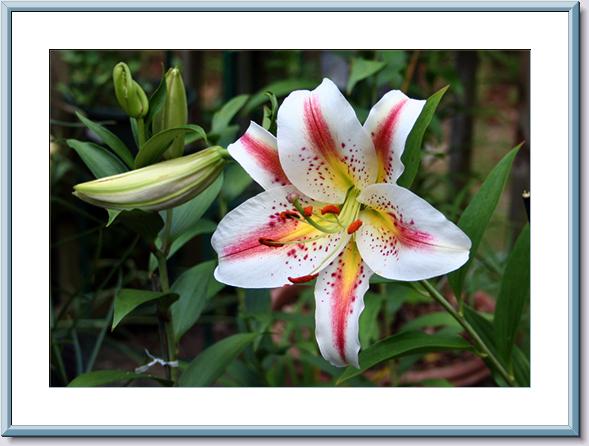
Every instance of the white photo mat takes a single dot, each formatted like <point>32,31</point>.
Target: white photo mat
<point>546,403</point>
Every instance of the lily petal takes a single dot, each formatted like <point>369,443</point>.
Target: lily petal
<point>405,238</point>
<point>256,151</point>
<point>339,300</point>
<point>323,147</point>
<point>257,245</point>
<point>389,123</point>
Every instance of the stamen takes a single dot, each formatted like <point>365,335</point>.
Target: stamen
<point>330,209</point>
<point>308,219</point>
<point>303,279</point>
<point>289,214</point>
<point>354,226</point>
<point>308,211</point>
<point>269,242</point>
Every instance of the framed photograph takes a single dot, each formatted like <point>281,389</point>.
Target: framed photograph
<point>290,219</point>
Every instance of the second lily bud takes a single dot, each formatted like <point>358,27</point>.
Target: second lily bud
<point>174,112</point>
<point>128,92</point>
<point>160,186</point>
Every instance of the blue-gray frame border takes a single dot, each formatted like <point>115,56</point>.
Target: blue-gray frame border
<point>573,429</point>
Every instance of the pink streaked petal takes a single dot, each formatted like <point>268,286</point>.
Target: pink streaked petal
<point>257,153</point>
<point>404,238</point>
<point>339,300</point>
<point>246,262</point>
<point>323,147</point>
<point>389,123</point>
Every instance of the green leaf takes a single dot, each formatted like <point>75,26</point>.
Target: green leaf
<point>513,295</point>
<point>437,319</point>
<point>368,331</point>
<point>411,156</point>
<point>361,69</point>
<point>154,147</point>
<point>401,344</point>
<point>237,180</point>
<point>475,218</point>
<point>103,377</point>
<point>223,117</point>
<point>112,216</point>
<point>439,382</point>
<point>200,227</point>
<point>147,224</point>
<point>484,328</point>
<point>185,217</point>
<point>156,101</point>
<point>127,300</point>
<point>99,160</point>
<point>280,89</point>
<point>269,119</point>
<point>211,363</point>
<point>195,287</point>
<point>108,138</point>
<point>521,367</point>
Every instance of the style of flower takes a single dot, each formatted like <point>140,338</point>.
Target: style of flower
<point>332,210</point>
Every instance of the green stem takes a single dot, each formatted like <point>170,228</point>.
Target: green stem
<point>435,294</point>
<point>164,316</point>
<point>140,132</point>
<point>59,363</point>
<point>98,344</point>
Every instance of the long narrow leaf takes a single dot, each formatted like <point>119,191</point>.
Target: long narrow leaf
<point>108,138</point>
<point>411,157</point>
<point>99,160</point>
<point>476,216</point>
<point>103,377</point>
<point>513,295</point>
<point>127,300</point>
<point>403,344</point>
<point>210,364</point>
<point>223,117</point>
<point>155,146</point>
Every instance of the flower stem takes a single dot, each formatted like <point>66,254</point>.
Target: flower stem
<point>140,132</point>
<point>435,294</point>
<point>164,316</point>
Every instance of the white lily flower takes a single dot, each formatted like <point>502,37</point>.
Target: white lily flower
<point>331,209</point>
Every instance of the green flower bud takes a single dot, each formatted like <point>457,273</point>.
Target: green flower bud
<point>129,93</point>
<point>174,112</point>
<point>159,186</point>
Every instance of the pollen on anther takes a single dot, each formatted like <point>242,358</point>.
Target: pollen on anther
<point>354,226</point>
<point>303,279</point>
<point>330,209</point>
<point>308,211</point>
<point>269,242</point>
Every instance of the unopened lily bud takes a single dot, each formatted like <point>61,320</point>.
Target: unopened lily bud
<point>129,93</point>
<point>174,112</point>
<point>159,186</point>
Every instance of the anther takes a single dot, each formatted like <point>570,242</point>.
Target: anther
<point>303,279</point>
<point>308,211</point>
<point>269,242</point>
<point>330,209</point>
<point>289,214</point>
<point>354,226</point>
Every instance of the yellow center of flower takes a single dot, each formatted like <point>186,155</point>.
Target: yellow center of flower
<point>332,219</point>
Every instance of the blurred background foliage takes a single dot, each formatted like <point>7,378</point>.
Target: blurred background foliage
<point>484,113</point>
